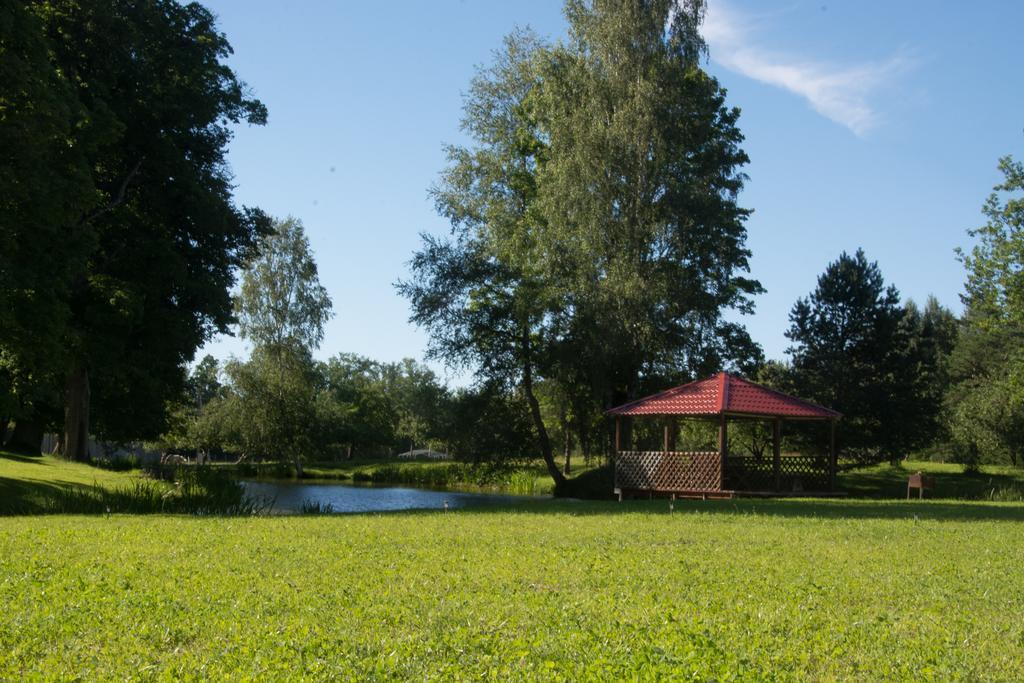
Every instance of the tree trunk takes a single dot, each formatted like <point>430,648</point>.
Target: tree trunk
<point>566,447</point>
<point>538,421</point>
<point>76,414</point>
<point>5,422</point>
<point>27,437</point>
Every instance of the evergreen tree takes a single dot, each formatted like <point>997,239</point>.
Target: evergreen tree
<point>850,352</point>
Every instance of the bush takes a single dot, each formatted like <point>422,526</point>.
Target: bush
<point>118,464</point>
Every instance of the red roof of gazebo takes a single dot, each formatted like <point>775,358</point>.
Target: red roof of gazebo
<point>725,394</point>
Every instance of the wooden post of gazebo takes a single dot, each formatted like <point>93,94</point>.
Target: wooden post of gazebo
<point>832,455</point>
<point>723,448</point>
<point>777,452</point>
<point>618,434</point>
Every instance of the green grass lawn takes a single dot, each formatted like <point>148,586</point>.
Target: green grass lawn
<point>750,590</point>
<point>744,589</point>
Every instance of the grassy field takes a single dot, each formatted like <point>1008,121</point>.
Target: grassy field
<point>748,590</point>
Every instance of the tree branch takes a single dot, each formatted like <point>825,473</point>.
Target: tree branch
<point>118,199</point>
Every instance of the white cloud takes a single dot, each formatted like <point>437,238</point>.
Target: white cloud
<point>840,93</point>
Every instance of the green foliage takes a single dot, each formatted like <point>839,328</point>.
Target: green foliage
<point>419,403</point>
<point>271,407</point>
<point>857,350</point>
<point>118,207</point>
<point>275,403</point>
<point>282,303</point>
<point>985,402</point>
<point>356,384</point>
<point>522,483</point>
<point>995,278</point>
<point>193,425</point>
<point>730,590</point>
<point>488,424</point>
<point>640,186</point>
<point>596,237</point>
<point>44,187</point>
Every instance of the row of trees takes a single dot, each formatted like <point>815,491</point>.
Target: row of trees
<point>351,407</point>
<point>282,404</point>
<point>905,378</point>
<point>909,379</point>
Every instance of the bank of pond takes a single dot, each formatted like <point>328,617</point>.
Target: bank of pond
<point>50,485</point>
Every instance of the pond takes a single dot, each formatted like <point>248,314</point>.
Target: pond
<point>291,496</point>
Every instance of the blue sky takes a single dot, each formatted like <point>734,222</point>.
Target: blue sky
<point>868,124</point>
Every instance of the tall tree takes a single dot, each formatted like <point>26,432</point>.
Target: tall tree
<point>282,308</point>
<point>932,335</point>
<point>985,402</point>
<point>850,352</point>
<point>44,186</point>
<point>479,294</point>
<point>995,265</point>
<point>640,192</point>
<point>163,233</point>
<point>596,236</point>
<point>282,302</point>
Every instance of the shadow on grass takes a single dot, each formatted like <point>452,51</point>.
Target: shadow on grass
<point>143,496</point>
<point>17,457</point>
<point>889,482</point>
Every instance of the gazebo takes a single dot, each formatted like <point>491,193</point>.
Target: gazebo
<point>722,398</point>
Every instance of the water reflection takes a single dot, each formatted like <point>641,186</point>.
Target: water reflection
<point>291,496</point>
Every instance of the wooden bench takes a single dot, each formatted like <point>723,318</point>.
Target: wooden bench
<point>919,481</point>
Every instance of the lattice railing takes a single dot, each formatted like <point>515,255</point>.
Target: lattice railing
<point>668,471</point>
<point>796,473</point>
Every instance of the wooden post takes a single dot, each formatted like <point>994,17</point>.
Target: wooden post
<point>618,434</point>
<point>777,453</point>
<point>723,450</point>
<point>664,442</point>
<point>832,455</point>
